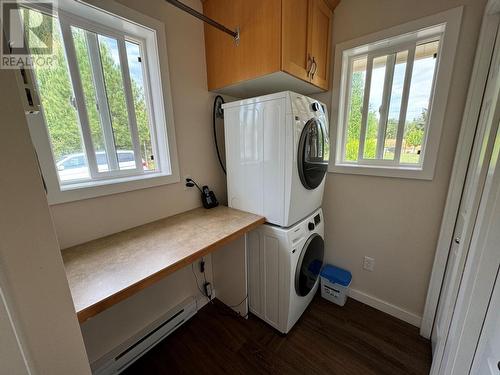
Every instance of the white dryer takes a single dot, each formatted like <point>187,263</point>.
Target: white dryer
<point>283,270</point>
<point>277,151</point>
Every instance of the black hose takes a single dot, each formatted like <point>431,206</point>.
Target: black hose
<point>219,100</point>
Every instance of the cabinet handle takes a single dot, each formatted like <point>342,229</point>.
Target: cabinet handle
<point>309,64</point>
<point>313,72</point>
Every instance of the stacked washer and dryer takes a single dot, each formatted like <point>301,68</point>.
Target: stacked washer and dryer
<point>277,152</point>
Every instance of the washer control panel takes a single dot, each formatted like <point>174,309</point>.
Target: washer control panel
<point>317,219</point>
<point>311,225</point>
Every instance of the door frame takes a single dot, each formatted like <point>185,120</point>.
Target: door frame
<point>478,280</point>
<point>477,85</point>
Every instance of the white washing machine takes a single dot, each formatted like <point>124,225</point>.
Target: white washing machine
<point>277,152</point>
<point>283,270</point>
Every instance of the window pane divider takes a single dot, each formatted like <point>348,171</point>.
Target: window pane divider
<point>148,94</point>
<point>69,47</point>
<point>384,108</point>
<point>102,102</point>
<point>431,100</point>
<point>132,119</point>
<point>366,98</point>
<point>404,103</point>
<point>347,107</point>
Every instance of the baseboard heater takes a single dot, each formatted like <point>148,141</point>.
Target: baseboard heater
<point>127,353</point>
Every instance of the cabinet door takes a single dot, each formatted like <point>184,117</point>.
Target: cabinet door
<point>258,52</point>
<point>319,40</point>
<point>295,26</point>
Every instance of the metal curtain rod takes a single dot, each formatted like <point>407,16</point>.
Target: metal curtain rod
<point>201,16</point>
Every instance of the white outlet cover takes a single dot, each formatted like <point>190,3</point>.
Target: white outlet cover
<point>368,263</point>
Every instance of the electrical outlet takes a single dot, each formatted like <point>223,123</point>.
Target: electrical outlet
<point>184,182</point>
<point>368,264</point>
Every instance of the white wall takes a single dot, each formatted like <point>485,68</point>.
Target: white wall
<point>33,284</point>
<point>396,221</point>
<point>85,220</point>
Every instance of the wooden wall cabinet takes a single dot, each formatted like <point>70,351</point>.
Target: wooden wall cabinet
<point>284,45</point>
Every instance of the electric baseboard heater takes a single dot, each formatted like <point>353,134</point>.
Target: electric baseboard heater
<point>131,350</point>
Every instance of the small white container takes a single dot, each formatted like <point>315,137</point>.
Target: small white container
<point>335,284</point>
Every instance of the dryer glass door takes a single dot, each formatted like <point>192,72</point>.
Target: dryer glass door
<point>309,265</point>
<point>313,153</point>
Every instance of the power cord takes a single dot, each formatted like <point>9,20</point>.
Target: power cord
<point>235,306</point>
<point>202,266</point>
<point>190,183</point>
<point>198,284</point>
<point>232,313</point>
<point>196,278</point>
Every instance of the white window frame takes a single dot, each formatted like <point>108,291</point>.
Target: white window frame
<point>107,19</point>
<point>444,26</point>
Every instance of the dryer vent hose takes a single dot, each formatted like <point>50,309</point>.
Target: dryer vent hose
<point>218,113</point>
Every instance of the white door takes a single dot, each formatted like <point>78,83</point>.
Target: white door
<point>12,356</point>
<point>464,227</point>
<point>474,302</point>
<point>465,312</point>
<point>487,358</point>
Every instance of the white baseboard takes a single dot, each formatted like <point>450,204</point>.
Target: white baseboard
<point>386,307</point>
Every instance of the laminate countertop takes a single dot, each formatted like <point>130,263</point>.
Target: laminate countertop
<point>105,271</point>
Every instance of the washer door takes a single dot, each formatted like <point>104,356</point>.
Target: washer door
<point>309,264</point>
<point>313,153</point>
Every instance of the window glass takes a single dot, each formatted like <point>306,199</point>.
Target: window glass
<point>101,159</point>
<point>374,106</point>
<point>81,40</point>
<point>115,93</point>
<point>418,103</point>
<point>125,157</point>
<point>60,108</point>
<point>395,105</point>
<point>135,64</point>
<point>74,162</point>
<point>356,95</point>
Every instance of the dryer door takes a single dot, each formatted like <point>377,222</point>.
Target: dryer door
<point>309,264</point>
<point>313,153</point>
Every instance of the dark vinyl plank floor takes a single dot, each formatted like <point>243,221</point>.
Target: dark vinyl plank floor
<point>328,339</point>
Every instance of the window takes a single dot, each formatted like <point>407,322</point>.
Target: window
<point>392,96</point>
<point>103,103</point>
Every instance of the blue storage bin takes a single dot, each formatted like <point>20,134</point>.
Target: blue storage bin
<point>335,284</point>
